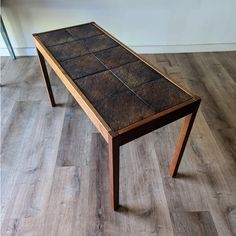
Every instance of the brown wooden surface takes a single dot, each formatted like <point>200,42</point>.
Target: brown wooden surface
<point>54,163</point>
<point>155,122</point>
<point>183,139</point>
<point>114,169</point>
<point>46,78</point>
<point>122,88</point>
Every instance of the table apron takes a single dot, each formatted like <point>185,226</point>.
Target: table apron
<point>157,123</point>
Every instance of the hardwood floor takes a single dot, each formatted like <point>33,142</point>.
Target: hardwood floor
<point>54,164</point>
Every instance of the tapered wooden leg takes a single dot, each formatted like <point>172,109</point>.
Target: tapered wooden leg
<point>114,172</point>
<point>183,138</point>
<point>46,78</point>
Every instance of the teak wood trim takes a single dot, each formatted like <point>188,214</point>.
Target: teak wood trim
<point>114,169</point>
<point>183,139</point>
<point>64,28</point>
<point>94,116</point>
<point>153,117</point>
<point>46,78</point>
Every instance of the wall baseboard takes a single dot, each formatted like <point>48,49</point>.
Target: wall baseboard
<point>185,48</point>
<point>19,52</point>
<point>147,49</point>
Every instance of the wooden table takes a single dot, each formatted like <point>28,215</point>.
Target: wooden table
<point>123,95</point>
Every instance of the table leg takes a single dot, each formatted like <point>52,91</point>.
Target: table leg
<point>46,78</point>
<point>114,172</point>
<point>183,138</point>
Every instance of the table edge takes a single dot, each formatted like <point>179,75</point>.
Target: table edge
<point>156,121</point>
<point>156,116</point>
<point>63,28</point>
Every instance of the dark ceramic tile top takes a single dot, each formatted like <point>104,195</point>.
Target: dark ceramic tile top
<point>99,43</point>
<point>68,50</point>
<point>84,31</point>
<point>55,37</point>
<point>161,94</point>
<point>115,57</point>
<point>121,87</point>
<point>100,85</point>
<point>82,66</point>
<point>136,73</point>
<point>123,109</point>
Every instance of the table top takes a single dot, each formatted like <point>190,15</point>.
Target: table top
<point>120,85</point>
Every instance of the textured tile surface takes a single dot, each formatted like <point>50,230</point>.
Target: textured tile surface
<point>68,50</point>
<point>82,66</point>
<point>161,94</point>
<point>122,109</point>
<point>115,57</point>
<point>100,42</point>
<point>99,86</point>
<point>121,87</point>
<point>136,73</point>
<point>56,37</point>
<point>84,31</point>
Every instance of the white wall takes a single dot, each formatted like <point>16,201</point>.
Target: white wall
<point>147,26</point>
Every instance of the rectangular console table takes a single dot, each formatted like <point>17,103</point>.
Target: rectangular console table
<point>124,96</point>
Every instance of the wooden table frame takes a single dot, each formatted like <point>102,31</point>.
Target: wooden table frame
<point>187,109</point>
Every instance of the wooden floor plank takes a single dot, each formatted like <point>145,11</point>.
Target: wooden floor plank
<point>54,164</point>
<point>213,145</point>
<point>193,223</point>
